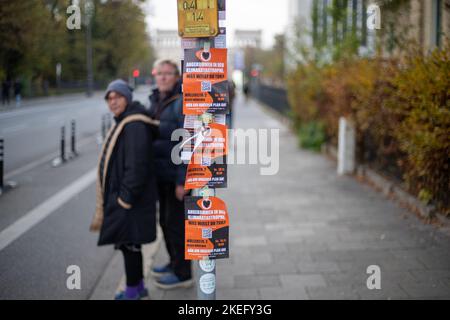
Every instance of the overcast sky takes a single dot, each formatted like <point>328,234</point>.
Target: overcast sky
<point>270,16</point>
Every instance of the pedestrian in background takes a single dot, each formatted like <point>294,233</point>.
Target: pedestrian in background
<point>6,84</point>
<point>166,105</point>
<point>18,92</point>
<point>246,90</point>
<point>126,186</point>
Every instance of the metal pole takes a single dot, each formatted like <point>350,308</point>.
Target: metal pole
<point>63,144</point>
<point>1,164</point>
<point>206,268</point>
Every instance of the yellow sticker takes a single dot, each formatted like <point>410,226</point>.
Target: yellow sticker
<point>198,18</point>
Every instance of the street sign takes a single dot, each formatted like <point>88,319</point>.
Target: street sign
<point>198,18</point>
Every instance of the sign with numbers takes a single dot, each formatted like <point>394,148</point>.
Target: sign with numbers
<point>198,18</point>
<point>206,225</point>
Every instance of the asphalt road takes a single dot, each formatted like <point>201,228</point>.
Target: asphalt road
<point>30,133</point>
<point>34,265</point>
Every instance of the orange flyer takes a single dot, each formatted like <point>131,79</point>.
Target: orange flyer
<point>205,84</point>
<point>207,228</point>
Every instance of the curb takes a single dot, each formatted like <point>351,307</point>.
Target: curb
<point>392,190</point>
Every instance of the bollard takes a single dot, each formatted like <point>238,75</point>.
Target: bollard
<point>108,124</point>
<point>63,144</point>
<point>103,127</point>
<point>72,138</point>
<point>4,187</point>
<point>346,147</point>
<point>1,164</point>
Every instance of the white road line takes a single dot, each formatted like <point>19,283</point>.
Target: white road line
<point>39,213</point>
<point>13,129</point>
<point>46,158</point>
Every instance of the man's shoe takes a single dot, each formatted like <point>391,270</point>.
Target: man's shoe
<point>141,295</point>
<point>171,281</point>
<point>160,271</point>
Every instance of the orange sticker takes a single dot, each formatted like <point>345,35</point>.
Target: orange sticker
<point>198,176</point>
<point>206,228</point>
<point>213,142</point>
<point>205,85</point>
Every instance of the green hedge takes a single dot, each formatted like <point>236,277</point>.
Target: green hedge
<point>401,111</point>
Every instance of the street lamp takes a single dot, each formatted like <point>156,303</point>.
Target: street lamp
<point>89,12</point>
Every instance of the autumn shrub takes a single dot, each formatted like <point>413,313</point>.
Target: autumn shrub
<point>401,112</point>
<point>421,101</point>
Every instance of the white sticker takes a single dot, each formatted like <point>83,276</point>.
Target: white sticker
<point>220,41</point>
<point>207,283</point>
<point>207,265</point>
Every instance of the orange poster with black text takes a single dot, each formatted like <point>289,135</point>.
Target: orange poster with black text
<point>205,84</point>
<point>208,166</point>
<point>206,228</point>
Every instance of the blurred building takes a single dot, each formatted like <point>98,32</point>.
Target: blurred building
<point>167,45</point>
<point>424,22</point>
<point>298,30</point>
<point>247,38</point>
<point>335,21</point>
<point>243,41</point>
<point>328,23</point>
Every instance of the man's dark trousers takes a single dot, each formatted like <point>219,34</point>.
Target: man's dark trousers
<point>171,219</point>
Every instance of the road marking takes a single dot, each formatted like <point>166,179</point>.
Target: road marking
<point>42,106</point>
<point>39,213</point>
<point>47,158</point>
<point>14,129</point>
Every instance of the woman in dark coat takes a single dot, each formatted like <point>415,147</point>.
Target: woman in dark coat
<point>126,186</point>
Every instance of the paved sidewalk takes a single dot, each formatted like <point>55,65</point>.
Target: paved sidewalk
<point>306,233</point>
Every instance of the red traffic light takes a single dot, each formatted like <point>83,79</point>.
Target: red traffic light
<point>254,73</point>
<point>135,73</point>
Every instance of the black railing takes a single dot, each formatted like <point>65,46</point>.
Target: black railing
<point>275,98</point>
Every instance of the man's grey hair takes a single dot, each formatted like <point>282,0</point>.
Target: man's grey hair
<point>172,63</point>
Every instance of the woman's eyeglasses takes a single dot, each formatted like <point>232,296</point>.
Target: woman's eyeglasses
<point>165,74</point>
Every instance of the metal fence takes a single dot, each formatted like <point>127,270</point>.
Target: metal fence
<point>275,98</point>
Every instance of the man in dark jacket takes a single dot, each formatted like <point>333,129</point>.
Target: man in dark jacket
<point>167,106</point>
<point>126,185</point>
